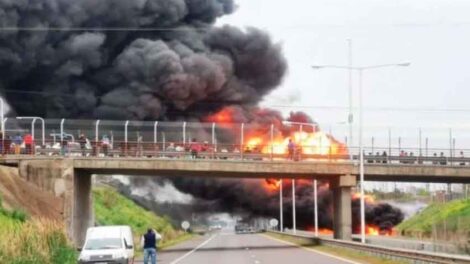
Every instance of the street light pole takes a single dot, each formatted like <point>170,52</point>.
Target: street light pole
<point>361,148</point>
<point>350,116</point>
<point>361,161</point>
<point>281,216</point>
<point>294,227</point>
<point>293,180</point>
<point>315,194</point>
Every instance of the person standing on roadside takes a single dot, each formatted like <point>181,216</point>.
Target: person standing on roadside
<point>149,243</point>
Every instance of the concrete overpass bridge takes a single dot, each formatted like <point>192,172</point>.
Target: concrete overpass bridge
<point>70,177</point>
<point>57,161</point>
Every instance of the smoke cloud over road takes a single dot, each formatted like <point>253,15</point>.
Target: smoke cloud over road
<point>119,59</point>
<point>153,60</point>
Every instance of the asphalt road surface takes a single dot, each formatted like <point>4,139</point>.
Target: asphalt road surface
<point>230,248</point>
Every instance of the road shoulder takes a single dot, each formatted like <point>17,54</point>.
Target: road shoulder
<point>346,255</point>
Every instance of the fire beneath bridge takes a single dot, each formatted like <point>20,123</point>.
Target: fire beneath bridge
<point>381,218</point>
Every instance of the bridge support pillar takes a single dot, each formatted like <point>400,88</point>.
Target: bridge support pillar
<point>82,206</point>
<point>342,215</point>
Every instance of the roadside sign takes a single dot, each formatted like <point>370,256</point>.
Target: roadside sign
<point>273,222</point>
<point>185,225</point>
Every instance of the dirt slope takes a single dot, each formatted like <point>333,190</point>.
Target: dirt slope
<point>17,193</point>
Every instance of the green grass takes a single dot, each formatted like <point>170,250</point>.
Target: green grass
<point>112,208</point>
<point>454,215</point>
<point>33,241</point>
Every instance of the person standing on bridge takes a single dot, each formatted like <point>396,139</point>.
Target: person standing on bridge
<point>290,150</point>
<point>82,140</point>
<point>28,142</point>
<point>18,140</point>
<point>149,244</point>
<point>195,148</point>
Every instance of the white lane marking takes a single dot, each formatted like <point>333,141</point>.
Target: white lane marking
<point>313,250</point>
<point>194,250</point>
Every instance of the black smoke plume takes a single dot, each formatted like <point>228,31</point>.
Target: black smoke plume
<point>137,60</point>
<point>260,198</point>
<point>150,60</point>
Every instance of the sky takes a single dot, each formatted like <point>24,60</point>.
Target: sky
<point>433,35</point>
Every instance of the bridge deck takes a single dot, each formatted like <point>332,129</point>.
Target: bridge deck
<point>260,168</point>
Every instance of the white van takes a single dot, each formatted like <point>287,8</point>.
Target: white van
<point>108,244</point>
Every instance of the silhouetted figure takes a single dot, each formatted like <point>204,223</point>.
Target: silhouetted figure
<point>28,142</point>
<point>443,159</point>
<point>195,148</point>
<point>378,159</point>
<point>105,145</point>
<point>462,157</point>
<point>18,140</point>
<point>401,156</point>
<point>434,158</point>
<point>82,141</point>
<point>290,150</point>
<point>7,143</point>
<point>384,157</point>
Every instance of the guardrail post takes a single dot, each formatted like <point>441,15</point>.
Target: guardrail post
<point>97,138</point>
<point>389,145</point>
<point>426,142</point>
<point>155,137</point>
<point>272,139</point>
<point>33,136</point>
<point>164,141</point>
<point>399,145</point>
<point>450,146</point>
<point>184,135</point>
<point>373,147</point>
<point>214,147</point>
<point>242,135</point>
<point>61,135</point>
<point>125,137</point>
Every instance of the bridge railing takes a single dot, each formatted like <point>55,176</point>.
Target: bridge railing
<point>205,150</point>
<point>218,140</point>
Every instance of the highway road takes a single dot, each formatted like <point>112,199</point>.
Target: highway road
<point>230,248</point>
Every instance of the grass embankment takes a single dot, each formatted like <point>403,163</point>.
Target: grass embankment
<point>451,217</point>
<point>112,208</point>
<point>352,255</point>
<point>33,241</point>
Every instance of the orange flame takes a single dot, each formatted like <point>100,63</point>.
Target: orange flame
<point>367,198</point>
<point>372,230</point>
<point>325,231</point>
<point>321,231</point>
<point>223,116</point>
<point>272,184</point>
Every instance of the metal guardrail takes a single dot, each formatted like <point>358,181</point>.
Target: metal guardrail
<point>385,252</point>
